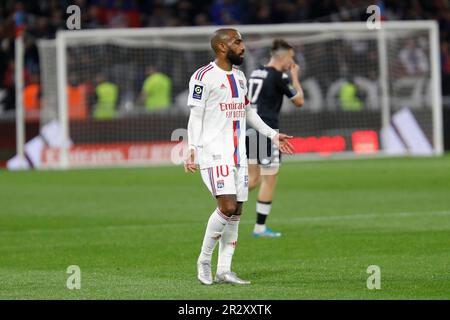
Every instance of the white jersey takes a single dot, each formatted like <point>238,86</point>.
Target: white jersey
<point>222,94</point>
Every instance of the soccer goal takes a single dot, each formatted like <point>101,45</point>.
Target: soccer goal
<point>368,92</point>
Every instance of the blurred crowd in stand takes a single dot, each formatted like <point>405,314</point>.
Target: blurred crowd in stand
<point>40,19</point>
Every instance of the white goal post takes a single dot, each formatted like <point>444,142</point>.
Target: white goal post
<point>368,92</point>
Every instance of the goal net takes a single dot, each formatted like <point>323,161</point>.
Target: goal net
<point>116,97</point>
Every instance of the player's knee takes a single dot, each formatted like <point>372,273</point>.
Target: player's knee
<point>229,208</point>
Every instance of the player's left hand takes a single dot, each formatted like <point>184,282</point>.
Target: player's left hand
<point>282,142</point>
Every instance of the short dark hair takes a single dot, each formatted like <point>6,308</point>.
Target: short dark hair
<point>280,44</point>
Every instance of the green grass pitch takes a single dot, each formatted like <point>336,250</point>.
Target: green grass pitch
<point>136,233</point>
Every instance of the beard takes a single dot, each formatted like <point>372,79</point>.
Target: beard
<point>234,58</point>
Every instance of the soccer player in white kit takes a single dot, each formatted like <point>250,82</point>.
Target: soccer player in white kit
<point>216,134</point>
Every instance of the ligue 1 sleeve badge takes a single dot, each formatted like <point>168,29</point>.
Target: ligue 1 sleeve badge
<point>198,91</point>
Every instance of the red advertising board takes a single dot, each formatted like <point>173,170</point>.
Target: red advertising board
<point>111,154</point>
<point>141,153</point>
<point>322,145</point>
<point>365,141</point>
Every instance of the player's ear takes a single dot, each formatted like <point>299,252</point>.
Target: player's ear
<point>222,47</point>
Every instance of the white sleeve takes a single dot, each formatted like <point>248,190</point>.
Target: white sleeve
<point>256,122</point>
<point>195,126</point>
<point>198,94</point>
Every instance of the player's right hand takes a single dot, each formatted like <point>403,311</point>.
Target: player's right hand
<point>295,70</point>
<point>281,140</point>
<point>189,163</point>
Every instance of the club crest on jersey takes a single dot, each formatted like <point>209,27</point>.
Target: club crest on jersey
<point>198,91</point>
<point>220,184</point>
<point>241,84</point>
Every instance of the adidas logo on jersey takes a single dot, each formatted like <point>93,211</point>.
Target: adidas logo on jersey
<point>223,86</point>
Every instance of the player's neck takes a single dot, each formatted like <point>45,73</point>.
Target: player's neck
<point>274,64</point>
<point>225,65</point>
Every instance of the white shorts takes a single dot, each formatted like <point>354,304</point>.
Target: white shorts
<point>227,180</point>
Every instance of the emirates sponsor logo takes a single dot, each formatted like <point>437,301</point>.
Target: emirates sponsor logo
<point>232,106</point>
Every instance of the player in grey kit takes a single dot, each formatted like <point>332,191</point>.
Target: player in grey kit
<point>267,86</point>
